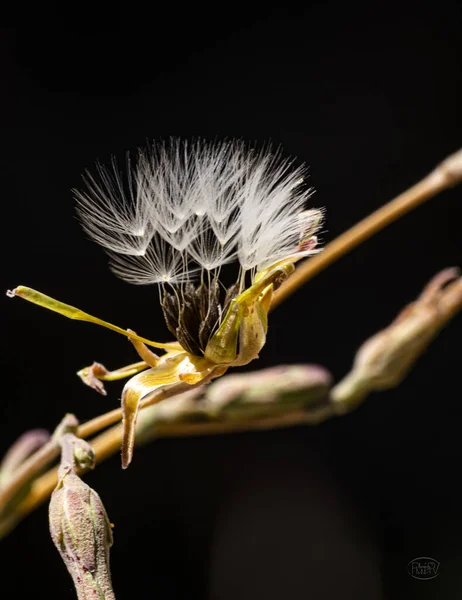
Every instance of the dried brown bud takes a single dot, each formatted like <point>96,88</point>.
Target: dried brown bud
<point>384,360</point>
<point>91,376</point>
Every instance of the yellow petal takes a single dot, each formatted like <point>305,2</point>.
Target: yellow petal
<point>176,371</point>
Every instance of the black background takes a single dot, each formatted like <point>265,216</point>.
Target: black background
<point>370,99</point>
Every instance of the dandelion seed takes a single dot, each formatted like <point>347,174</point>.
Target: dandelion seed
<point>160,263</point>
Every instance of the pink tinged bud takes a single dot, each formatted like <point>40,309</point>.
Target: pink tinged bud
<point>89,376</point>
<point>81,532</point>
<point>79,525</point>
<point>307,245</point>
<point>271,390</point>
<point>25,446</point>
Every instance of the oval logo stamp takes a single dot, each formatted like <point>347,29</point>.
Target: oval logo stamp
<point>424,568</point>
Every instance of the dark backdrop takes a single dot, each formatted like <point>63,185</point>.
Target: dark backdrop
<point>371,100</point>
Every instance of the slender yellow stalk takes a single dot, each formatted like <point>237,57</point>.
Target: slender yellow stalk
<point>71,312</point>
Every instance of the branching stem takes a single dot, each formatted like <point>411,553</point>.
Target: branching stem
<point>446,175</point>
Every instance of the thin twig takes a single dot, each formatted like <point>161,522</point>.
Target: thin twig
<point>447,174</point>
<point>29,469</point>
<point>108,443</point>
<point>35,464</point>
<point>41,459</point>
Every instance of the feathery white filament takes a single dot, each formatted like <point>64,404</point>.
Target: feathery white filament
<point>160,264</point>
<point>200,202</point>
<point>117,216</point>
<point>270,213</point>
<point>209,252</point>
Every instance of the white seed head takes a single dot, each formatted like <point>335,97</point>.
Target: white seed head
<point>205,203</point>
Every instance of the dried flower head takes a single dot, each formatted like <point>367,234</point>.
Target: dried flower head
<point>185,210</point>
<point>178,218</point>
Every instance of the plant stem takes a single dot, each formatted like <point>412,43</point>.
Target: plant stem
<point>447,174</point>
<point>108,443</point>
<point>28,470</point>
<point>36,463</point>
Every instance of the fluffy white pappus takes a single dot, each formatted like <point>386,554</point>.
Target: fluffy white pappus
<point>171,179</point>
<point>208,251</point>
<point>204,202</point>
<point>114,212</point>
<point>270,215</point>
<point>182,237</point>
<point>159,264</point>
